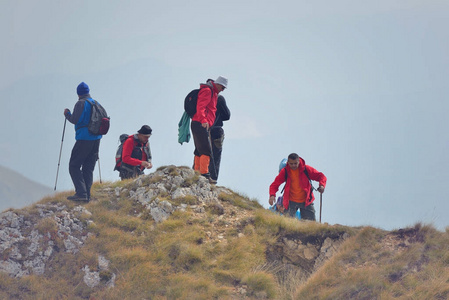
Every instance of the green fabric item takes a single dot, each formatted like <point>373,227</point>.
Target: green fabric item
<point>184,129</point>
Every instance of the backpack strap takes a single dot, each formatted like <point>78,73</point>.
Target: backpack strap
<point>282,192</point>
<point>312,188</point>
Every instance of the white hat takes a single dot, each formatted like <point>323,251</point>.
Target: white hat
<point>223,81</point>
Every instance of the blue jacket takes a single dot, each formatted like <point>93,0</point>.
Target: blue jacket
<point>81,117</point>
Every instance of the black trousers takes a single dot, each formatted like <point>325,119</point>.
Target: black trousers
<point>82,165</point>
<point>217,135</point>
<point>200,139</point>
<point>127,171</point>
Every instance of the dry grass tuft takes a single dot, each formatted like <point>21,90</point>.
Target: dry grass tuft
<point>239,201</point>
<point>47,226</point>
<point>261,285</point>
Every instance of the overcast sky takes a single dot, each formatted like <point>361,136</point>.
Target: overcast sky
<point>359,89</point>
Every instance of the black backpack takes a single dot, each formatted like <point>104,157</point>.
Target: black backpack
<point>99,119</point>
<point>191,100</point>
<point>118,154</point>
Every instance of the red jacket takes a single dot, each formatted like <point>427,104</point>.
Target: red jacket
<point>303,181</point>
<point>132,148</point>
<point>206,105</point>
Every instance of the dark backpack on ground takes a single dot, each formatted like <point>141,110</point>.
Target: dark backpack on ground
<point>118,154</point>
<point>99,120</point>
<point>191,101</point>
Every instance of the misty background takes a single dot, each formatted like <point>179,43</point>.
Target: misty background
<point>358,89</point>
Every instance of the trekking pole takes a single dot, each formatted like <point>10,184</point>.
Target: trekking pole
<point>60,151</point>
<point>212,153</point>
<point>99,169</point>
<point>321,204</point>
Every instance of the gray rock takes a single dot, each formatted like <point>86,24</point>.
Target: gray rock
<point>103,263</point>
<point>158,214</point>
<point>91,279</point>
<point>12,268</point>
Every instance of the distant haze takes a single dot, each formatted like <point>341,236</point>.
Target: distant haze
<point>17,191</point>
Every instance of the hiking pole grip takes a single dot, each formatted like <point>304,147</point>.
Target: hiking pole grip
<point>321,204</point>
<point>60,151</point>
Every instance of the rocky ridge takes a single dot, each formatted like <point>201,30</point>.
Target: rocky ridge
<point>29,239</point>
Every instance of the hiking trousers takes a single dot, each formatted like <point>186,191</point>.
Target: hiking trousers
<point>202,147</point>
<point>129,172</point>
<point>217,135</point>
<point>82,164</point>
<point>307,212</point>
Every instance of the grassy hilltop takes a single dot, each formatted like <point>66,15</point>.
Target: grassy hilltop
<point>212,243</point>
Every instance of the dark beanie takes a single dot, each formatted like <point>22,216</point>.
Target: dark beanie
<point>146,130</point>
<point>82,89</point>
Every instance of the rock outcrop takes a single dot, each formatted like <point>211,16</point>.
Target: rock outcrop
<point>30,238</point>
<point>303,254</point>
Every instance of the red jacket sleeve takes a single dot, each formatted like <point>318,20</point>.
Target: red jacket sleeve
<point>128,147</point>
<point>204,97</point>
<point>277,182</point>
<point>316,176</point>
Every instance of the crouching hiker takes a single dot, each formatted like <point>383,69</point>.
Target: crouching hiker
<point>298,187</point>
<point>135,154</point>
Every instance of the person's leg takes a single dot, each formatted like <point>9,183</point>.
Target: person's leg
<point>217,135</point>
<point>292,208</point>
<point>204,165</point>
<point>124,174</point>
<point>196,129</point>
<point>196,163</point>
<point>79,153</point>
<point>89,165</point>
<point>308,212</point>
<point>202,146</point>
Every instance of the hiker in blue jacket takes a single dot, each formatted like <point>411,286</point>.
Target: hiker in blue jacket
<point>85,151</point>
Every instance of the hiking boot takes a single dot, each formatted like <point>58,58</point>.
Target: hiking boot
<point>211,181</point>
<point>207,175</point>
<point>78,198</point>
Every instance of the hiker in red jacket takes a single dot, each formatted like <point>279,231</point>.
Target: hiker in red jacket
<point>136,154</point>
<point>298,192</point>
<point>203,119</point>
